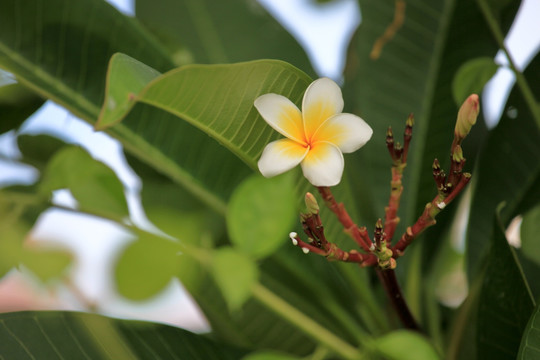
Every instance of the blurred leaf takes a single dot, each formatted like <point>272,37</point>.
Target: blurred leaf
<point>37,150</point>
<point>215,31</point>
<point>146,266</point>
<point>508,170</point>
<point>471,78</point>
<point>404,345</point>
<point>530,235</point>
<point>265,355</point>
<point>94,185</point>
<point>505,302</point>
<point>17,103</point>
<point>530,342</point>
<point>46,264</point>
<point>235,274</point>
<point>70,335</point>
<point>261,213</point>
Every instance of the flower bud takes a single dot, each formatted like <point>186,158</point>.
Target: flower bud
<point>311,204</point>
<point>467,116</point>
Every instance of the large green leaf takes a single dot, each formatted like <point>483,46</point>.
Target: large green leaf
<point>218,99</point>
<point>413,73</point>
<point>215,31</point>
<point>508,170</point>
<point>70,335</point>
<point>505,302</point>
<point>65,57</point>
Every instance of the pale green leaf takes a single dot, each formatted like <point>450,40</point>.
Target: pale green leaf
<point>95,186</point>
<point>127,77</point>
<point>530,234</point>
<point>404,345</point>
<point>235,274</point>
<point>46,264</point>
<point>471,78</point>
<point>261,214</point>
<point>146,266</point>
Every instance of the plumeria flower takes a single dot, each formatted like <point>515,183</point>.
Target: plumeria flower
<point>316,138</point>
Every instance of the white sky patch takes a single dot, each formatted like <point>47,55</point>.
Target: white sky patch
<point>323,30</point>
<point>125,6</point>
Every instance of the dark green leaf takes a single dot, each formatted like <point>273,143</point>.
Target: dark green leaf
<point>265,355</point>
<point>412,74</point>
<point>471,78</point>
<point>17,103</point>
<point>508,170</point>
<point>235,274</point>
<point>94,185</point>
<point>505,302</point>
<point>37,150</point>
<point>530,343</point>
<point>146,266</point>
<point>70,335</point>
<point>215,31</point>
<point>261,213</point>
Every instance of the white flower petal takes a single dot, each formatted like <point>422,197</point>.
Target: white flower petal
<point>347,131</point>
<point>282,115</point>
<point>323,165</point>
<point>280,156</point>
<point>322,100</point>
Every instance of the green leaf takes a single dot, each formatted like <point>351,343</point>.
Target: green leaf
<point>412,74</point>
<point>127,77</point>
<point>215,31</point>
<point>530,228</point>
<point>471,78</point>
<point>235,274</point>
<point>508,170</point>
<point>266,355</point>
<point>530,342</point>
<point>94,185</point>
<point>65,57</point>
<point>505,302</point>
<point>146,266</point>
<point>70,335</point>
<point>261,213</point>
<point>17,103</point>
<point>217,99</point>
<point>37,150</point>
<point>46,264</point>
<point>404,345</point>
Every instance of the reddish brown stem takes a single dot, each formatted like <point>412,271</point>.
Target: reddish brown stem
<point>393,291</point>
<point>361,237</point>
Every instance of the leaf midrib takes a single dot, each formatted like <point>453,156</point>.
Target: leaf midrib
<point>89,112</point>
